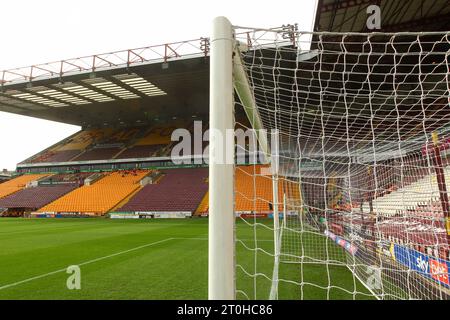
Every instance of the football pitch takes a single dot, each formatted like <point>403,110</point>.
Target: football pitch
<point>147,259</point>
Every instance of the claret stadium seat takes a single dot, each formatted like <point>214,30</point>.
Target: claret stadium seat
<point>178,190</point>
<point>18,183</point>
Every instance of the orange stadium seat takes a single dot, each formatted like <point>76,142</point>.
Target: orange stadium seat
<point>253,190</point>
<point>101,196</point>
<point>157,135</point>
<point>204,205</point>
<point>18,183</point>
<point>85,138</point>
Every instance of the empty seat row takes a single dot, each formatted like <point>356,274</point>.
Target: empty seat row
<point>35,197</point>
<point>18,183</point>
<point>100,197</point>
<point>177,190</point>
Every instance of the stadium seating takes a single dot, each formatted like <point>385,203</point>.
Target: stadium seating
<point>179,190</point>
<point>110,143</point>
<point>67,149</point>
<point>66,178</point>
<point>158,135</point>
<point>140,151</point>
<point>123,135</point>
<point>56,156</point>
<point>18,183</point>
<point>204,205</point>
<point>98,154</point>
<point>85,138</point>
<point>248,198</point>
<point>252,198</point>
<point>100,197</point>
<point>35,197</point>
<point>410,196</point>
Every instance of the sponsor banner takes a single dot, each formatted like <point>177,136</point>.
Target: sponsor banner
<point>427,266</point>
<point>174,215</point>
<point>73,215</point>
<point>150,215</point>
<point>123,216</point>
<point>238,214</point>
<point>253,215</point>
<point>280,215</point>
<point>45,215</point>
<point>352,249</point>
<point>163,214</point>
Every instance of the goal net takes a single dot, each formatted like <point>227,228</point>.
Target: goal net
<point>346,194</point>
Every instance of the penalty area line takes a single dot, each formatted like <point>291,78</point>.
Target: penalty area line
<point>84,263</point>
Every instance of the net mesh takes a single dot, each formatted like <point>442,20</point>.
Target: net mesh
<point>361,128</point>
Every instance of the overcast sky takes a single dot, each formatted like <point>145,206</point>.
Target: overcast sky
<point>47,30</point>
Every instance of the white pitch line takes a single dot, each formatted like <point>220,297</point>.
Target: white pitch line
<point>102,258</point>
<point>205,239</point>
<point>83,263</point>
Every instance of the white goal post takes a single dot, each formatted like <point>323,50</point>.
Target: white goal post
<point>221,264</point>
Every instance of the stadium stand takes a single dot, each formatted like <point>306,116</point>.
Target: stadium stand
<point>85,138</point>
<point>18,183</point>
<point>203,207</point>
<point>256,200</point>
<point>98,154</point>
<point>100,197</point>
<point>68,148</point>
<point>56,156</point>
<point>422,191</point>
<point>48,189</point>
<point>66,178</point>
<point>35,197</point>
<point>159,135</point>
<point>250,198</point>
<point>178,190</point>
<point>140,151</point>
<point>134,142</point>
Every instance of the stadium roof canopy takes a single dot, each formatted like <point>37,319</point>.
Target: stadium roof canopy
<point>170,80</point>
<point>117,88</point>
<point>404,15</point>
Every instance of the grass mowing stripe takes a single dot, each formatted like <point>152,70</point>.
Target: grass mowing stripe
<point>84,263</point>
<point>175,269</point>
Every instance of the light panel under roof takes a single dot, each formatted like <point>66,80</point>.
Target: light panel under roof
<point>63,96</point>
<point>38,99</point>
<point>88,93</point>
<point>142,85</point>
<point>114,89</point>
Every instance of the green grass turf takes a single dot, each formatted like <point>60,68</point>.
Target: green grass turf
<point>174,267</point>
